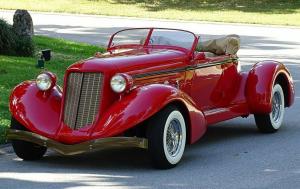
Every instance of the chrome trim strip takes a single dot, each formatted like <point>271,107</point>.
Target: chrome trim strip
<point>72,149</point>
<point>187,68</point>
<point>216,111</point>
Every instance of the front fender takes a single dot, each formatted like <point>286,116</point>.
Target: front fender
<point>143,102</point>
<point>260,82</point>
<point>36,110</point>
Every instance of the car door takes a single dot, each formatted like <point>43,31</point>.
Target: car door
<point>213,82</point>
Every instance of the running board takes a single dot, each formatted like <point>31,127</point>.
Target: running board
<point>222,114</point>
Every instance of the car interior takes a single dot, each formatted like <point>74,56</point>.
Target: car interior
<point>228,45</point>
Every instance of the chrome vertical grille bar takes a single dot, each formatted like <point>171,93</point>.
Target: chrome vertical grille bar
<point>84,92</point>
<point>74,83</point>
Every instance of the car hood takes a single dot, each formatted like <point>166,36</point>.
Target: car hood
<point>131,61</point>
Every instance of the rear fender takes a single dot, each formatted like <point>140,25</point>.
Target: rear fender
<point>142,103</point>
<point>261,79</point>
<point>36,110</point>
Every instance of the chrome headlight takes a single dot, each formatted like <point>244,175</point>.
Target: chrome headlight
<point>118,83</point>
<point>121,82</point>
<point>45,81</point>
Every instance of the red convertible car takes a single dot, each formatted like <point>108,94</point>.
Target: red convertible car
<point>152,89</point>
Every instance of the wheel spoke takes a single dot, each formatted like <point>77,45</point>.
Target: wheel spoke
<point>276,106</point>
<point>174,137</point>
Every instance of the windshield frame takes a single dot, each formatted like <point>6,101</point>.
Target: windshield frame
<point>146,43</point>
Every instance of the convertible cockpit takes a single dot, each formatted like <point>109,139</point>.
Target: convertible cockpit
<point>229,44</point>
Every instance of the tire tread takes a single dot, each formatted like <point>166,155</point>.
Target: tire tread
<point>26,150</point>
<point>154,131</point>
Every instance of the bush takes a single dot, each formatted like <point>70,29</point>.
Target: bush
<point>7,39</point>
<point>24,46</point>
<point>13,44</point>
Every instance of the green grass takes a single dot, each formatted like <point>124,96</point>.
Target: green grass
<point>280,12</point>
<point>14,70</point>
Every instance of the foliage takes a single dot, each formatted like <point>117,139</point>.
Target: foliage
<point>12,44</point>
<point>265,6</point>
<point>14,70</point>
<point>7,39</point>
<point>24,46</point>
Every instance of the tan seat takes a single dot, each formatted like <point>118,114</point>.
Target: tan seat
<point>209,54</point>
<point>229,44</point>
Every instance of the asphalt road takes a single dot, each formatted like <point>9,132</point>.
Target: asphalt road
<point>231,155</point>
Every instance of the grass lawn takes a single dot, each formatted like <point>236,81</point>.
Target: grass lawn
<point>279,12</point>
<point>14,70</point>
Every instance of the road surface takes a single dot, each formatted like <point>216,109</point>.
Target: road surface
<point>231,155</point>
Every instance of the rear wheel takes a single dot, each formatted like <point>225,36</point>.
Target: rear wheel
<point>166,133</point>
<point>26,150</point>
<point>270,123</point>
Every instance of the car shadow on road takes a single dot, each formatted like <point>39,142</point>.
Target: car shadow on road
<point>138,159</point>
<point>224,143</point>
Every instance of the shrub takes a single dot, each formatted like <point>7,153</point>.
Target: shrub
<point>7,38</point>
<point>13,44</point>
<point>24,46</point>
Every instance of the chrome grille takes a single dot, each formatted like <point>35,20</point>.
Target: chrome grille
<point>82,99</point>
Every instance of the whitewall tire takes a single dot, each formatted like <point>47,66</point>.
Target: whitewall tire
<point>269,123</point>
<point>166,135</point>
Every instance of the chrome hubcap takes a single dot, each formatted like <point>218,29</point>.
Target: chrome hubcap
<point>174,137</point>
<point>276,107</point>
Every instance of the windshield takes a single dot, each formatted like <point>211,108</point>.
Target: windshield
<point>172,38</point>
<point>156,36</point>
<point>129,37</point>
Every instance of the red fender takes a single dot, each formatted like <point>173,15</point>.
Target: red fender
<point>143,102</point>
<point>38,111</point>
<point>259,85</point>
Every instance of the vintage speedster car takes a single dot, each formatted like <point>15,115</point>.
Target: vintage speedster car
<point>152,89</point>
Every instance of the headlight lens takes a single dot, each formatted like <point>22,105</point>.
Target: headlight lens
<point>43,82</point>
<point>118,83</point>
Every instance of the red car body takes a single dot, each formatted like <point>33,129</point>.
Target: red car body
<point>207,89</point>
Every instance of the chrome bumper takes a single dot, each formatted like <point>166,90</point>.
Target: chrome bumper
<point>72,149</point>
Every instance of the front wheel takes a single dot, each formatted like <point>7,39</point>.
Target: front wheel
<point>26,150</point>
<point>270,123</point>
<point>166,133</point>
